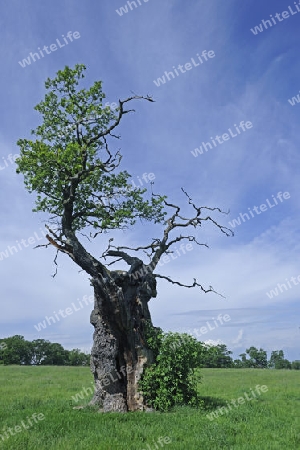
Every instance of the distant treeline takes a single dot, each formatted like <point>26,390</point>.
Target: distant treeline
<point>218,356</point>
<point>16,350</point>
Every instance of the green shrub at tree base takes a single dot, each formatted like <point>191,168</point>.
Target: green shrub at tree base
<point>172,380</point>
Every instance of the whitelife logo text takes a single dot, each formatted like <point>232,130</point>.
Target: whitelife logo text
<point>183,69</point>
<point>24,243</point>
<point>63,313</point>
<point>53,47</point>
<point>124,9</point>
<point>294,100</point>
<point>265,24</point>
<point>274,292</point>
<point>239,401</point>
<point>8,160</point>
<point>259,209</point>
<point>243,126</point>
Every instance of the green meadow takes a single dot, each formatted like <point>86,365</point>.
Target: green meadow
<point>268,421</point>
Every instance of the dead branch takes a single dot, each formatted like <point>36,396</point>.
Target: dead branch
<point>120,115</point>
<point>211,289</point>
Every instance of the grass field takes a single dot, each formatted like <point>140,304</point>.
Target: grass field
<point>269,421</point>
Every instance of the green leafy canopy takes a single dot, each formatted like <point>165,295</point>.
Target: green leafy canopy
<point>69,164</point>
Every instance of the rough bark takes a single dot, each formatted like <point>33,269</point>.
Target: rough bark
<point>120,316</point>
<point>120,352</point>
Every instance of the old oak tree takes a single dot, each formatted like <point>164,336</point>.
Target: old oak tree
<point>76,177</point>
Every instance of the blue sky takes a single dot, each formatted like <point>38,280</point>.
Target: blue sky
<point>250,79</point>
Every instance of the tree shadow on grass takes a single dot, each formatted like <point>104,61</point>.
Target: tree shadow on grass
<point>211,403</point>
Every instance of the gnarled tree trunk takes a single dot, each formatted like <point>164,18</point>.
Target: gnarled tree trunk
<point>120,317</point>
<point>120,352</point>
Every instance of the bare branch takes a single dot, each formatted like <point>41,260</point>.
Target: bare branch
<point>42,245</point>
<point>157,243</point>
<point>211,289</point>
<point>180,238</point>
<point>65,248</point>
<point>55,273</point>
<point>176,220</point>
<point>132,261</point>
<point>117,121</point>
<point>114,262</point>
